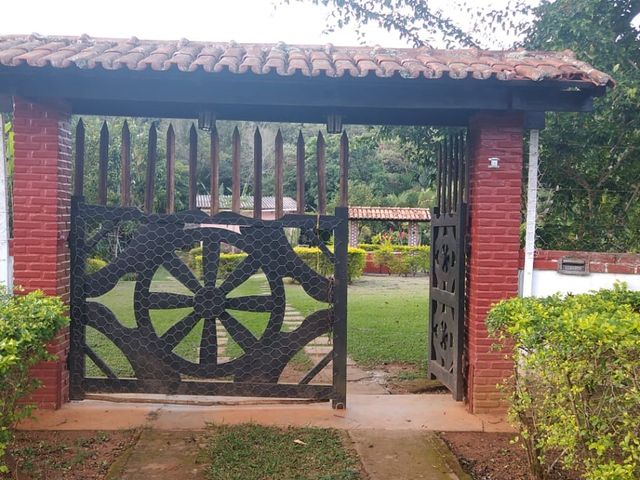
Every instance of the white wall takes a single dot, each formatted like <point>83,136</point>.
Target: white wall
<point>548,282</point>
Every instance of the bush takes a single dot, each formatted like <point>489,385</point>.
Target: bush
<point>575,395</point>
<point>403,260</point>
<point>27,323</point>
<point>94,264</point>
<point>227,264</point>
<point>317,260</point>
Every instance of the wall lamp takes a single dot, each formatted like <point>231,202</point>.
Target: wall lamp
<point>206,120</point>
<point>334,123</point>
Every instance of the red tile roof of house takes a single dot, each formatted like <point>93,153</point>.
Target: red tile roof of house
<point>85,52</point>
<point>403,214</point>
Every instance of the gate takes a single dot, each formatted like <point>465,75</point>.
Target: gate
<point>448,262</point>
<point>195,324</point>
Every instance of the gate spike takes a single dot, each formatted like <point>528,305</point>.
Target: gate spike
<point>257,174</point>
<point>300,154</point>
<point>171,170</point>
<point>235,171</point>
<point>215,171</point>
<point>322,185</point>
<point>193,166</point>
<point>279,174</point>
<point>150,182</point>
<point>103,164</point>
<point>125,166</point>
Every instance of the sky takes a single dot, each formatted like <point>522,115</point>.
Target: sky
<point>214,20</point>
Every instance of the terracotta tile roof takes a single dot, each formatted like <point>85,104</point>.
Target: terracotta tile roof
<point>246,203</point>
<point>403,214</point>
<point>85,52</point>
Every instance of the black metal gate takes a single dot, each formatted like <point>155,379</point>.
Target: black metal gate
<point>448,262</point>
<point>134,344</point>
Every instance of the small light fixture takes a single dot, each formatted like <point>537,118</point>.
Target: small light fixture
<point>206,120</point>
<point>334,123</point>
<point>494,162</point>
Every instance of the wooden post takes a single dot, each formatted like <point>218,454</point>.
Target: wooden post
<point>300,174</point>
<point>235,171</point>
<point>215,171</point>
<point>125,166</point>
<point>279,174</point>
<point>171,170</point>
<point>150,183</point>
<point>78,184</point>
<point>322,181</point>
<point>257,174</point>
<point>344,170</point>
<point>193,166</point>
<point>103,164</point>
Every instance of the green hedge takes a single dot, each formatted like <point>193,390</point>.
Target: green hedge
<point>228,263</point>
<point>27,323</point>
<point>575,396</point>
<point>317,260</point>
<point>312,256</point>
<point>403,260</point>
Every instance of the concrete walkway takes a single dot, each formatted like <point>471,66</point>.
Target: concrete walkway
<point>386,412</point>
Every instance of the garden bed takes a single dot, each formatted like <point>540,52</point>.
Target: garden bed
<point>69,455</point>
<point>493,456</point>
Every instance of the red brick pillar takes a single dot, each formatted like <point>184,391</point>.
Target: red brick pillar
<point>41,215</point>
<point>494,203</point>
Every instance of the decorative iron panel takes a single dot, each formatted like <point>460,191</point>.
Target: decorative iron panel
<point>448,272</point>
<point>166,339</point>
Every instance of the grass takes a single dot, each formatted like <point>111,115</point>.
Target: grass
<point>387,319</point>
<point>253,452</point>
<point>120,301</point>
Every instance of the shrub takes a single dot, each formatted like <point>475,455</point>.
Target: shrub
<point>403,260</point>
<point>575,395</point>
<point>227,264</point>
<point>317,260</point>
<point>94,264</point>
<point>27,323</point>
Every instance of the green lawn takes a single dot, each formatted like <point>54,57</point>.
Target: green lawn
<point>387,319</point>
<point>253,452</point>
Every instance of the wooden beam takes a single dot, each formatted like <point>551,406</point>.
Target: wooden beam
<point>193,166</point>
<point>171,170</point>
<point>150,182</point>
<point>344,170</point>
<point>257,174</point>
<point>200,88</point>
<point>322,179</point>
<point>279,175</point>
<point>300,154</point>
<point>235,171</point>
<point>125,166</point>
<point>214,201</point>
<point>103,164</point>
<point>78,184</point>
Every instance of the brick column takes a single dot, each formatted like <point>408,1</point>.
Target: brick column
<point>41,216</point>
<point>353,233</point>
<point>494,203</point>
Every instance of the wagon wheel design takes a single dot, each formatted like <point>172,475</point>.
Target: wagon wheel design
<point>210,302</point>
